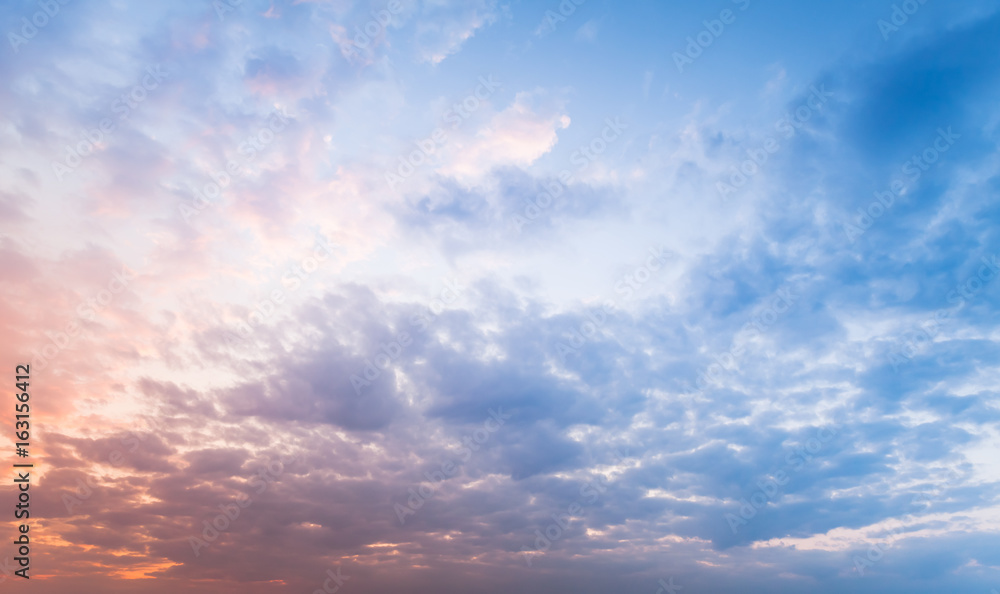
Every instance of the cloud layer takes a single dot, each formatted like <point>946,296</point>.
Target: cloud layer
<point>477,296</point>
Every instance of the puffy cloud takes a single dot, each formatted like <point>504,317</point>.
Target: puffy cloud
<point>752,410</point>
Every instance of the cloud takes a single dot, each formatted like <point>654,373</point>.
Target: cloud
<point>442,28</point>
<point>765,326</point>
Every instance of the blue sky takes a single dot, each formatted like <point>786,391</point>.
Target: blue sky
<point>507,298</point>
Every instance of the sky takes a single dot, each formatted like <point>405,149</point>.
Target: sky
<point>437,296</point>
